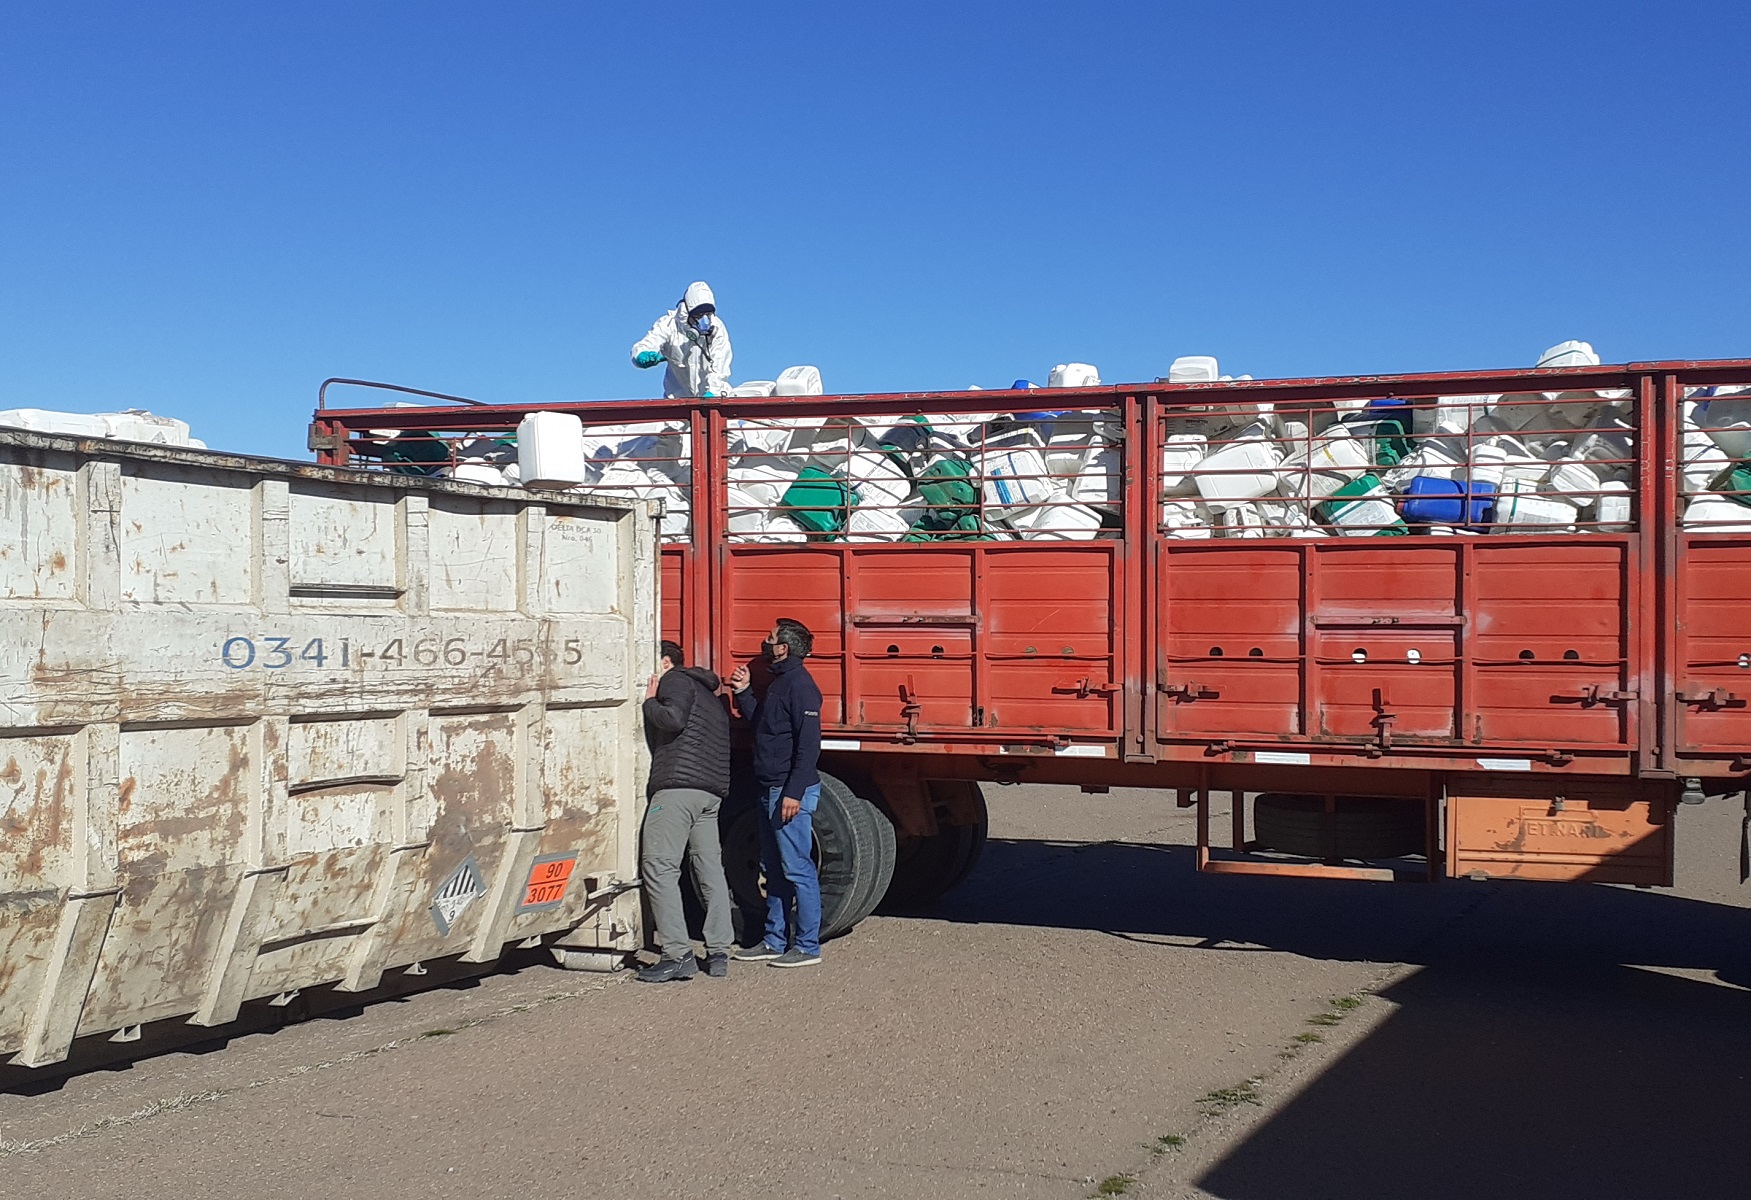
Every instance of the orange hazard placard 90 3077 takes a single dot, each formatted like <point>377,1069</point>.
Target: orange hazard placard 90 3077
<point>547,881</point>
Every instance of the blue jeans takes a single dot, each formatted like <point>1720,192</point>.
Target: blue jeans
<point>787,857</point>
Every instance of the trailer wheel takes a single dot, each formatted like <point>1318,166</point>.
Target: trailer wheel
<point>1366,827</point>
<point>927,867</point>
<point>881,865</point>
<point>850,856</point>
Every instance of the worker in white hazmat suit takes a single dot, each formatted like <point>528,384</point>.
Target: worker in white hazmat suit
<point>692,340</point>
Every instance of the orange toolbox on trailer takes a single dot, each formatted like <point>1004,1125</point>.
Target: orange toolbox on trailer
<point>1491,624</point>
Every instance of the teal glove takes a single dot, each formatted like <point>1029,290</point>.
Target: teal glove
<point>708,395</point>
<point>647,358</point>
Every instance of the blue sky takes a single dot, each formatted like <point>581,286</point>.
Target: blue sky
<point>206,209</point>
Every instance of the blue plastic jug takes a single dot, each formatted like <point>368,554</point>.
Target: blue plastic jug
<point>1432,501</point>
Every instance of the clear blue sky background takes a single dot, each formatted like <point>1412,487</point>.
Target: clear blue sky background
<point>206,209</point>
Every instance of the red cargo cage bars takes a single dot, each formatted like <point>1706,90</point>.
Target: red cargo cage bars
<point>1485,623</point>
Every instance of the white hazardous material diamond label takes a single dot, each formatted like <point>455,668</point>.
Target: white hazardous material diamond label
<point>455,894</point>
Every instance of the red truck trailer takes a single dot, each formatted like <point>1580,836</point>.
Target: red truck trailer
<point>1487,625</point>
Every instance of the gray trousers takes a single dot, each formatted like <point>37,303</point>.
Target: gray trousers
<point>676,821</point>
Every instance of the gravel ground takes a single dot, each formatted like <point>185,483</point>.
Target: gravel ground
<point>1085,1013</point>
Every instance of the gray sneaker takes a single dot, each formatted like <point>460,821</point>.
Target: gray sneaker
<point>796,958</point>
<point>667,970</point>
<point>759,952</point>
<point>717,965</point>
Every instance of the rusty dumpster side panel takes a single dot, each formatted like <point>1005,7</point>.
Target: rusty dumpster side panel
<point>266,726</point>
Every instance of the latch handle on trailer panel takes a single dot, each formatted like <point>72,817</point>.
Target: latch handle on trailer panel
<point>1383,719</point>
<point>1085,688</point>
<point>910,709</point>
<point>1188,691</point>
<point>1713,698</point>
<point>1592,695</point>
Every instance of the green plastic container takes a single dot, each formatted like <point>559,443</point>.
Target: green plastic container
<point>1391,443</point>
<point>942,525</point>
<point>947,483</point>
<point>1361,491</point>
<point>818,501</point>
<point>1734,483</point>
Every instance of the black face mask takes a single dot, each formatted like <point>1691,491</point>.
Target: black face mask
<point>766,651</point>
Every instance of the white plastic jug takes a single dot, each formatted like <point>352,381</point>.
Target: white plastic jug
<point>1243,520</point>
<point>1717,514</point>
<point>1575,481</point>
<point>766,480</point>
<point>869,523</point>
<point>877,478</point>
<point>1073,375</point>
<point>1099,481</point>
<point>84,425</point>
<point>780,528</point>
<point>1186,519</point>
<point>1728,421</point>
<point>1244,469</point>
<point>1015,479</point>
<point>1703,460</point>
<point>1520,506</point>
<point>1613,507</point>
<point>1333,459</point>
<point>550,450</point>
<point>749,512</point>
<point>1193,368</point>
<point>137,425</point>
<point>1182,453</point>
<point>754,388</point>
<point>798,381</point>
<point>1488,464</point>
<point>1058,523</point>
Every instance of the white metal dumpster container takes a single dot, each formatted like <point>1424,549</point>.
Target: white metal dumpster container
<point>265,726</point>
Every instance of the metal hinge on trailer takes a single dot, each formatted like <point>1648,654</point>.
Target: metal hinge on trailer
<point>1713,698</point>
<point>1594,694</point>
<point>1085,688</point>
<point>1188,691</point>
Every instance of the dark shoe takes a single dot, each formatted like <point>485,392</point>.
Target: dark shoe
<point>717,965</point>
<point>678,970</point>
<point>758,952</point>
<point>796,958</point>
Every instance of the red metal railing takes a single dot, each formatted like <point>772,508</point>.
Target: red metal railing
<point>1593,629</point>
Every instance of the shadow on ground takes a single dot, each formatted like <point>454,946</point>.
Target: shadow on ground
<point>1545,1047</point>
<point>174,1035</point>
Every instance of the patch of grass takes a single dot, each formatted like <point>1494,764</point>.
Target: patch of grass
<point>1346,1003</point>
<point>1166,1142</point>
<point>1115,1185</point>
<point>1325,1018</point>
<point>1309,1038</point>
<point>1223,1099</point>
<point>437,1033</point>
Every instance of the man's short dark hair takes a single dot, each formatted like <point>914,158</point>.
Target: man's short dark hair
<point>795,635</point>
<point>672,652</point>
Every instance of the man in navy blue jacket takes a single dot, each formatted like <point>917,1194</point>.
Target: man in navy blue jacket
<point>787,748</point>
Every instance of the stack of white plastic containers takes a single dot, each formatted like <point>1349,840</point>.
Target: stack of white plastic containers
<point>1455,465</point>
<point>1038,475</point>
<point>131,425</point>
<point>1537,462</point>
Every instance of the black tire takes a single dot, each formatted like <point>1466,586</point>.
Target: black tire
<point>927,867</point>
<point>1366,827</point>
<point>850,857</point>
<point>881,872</point>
